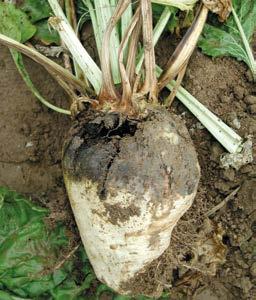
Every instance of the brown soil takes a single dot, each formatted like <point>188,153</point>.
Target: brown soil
<point>31,137</point>
<point>30,153</point>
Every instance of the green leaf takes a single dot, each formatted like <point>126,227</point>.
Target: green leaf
<point>45,35</point>
<point>157,12</point>
<point>178,19</point>
<point>225,39</point>
<point>217,42</point>
<point>35,9</point>
<point>29,251</point>
<point>83,13</point>
<point>38,13</point>
<point>14,23</point>
<point>7,296</point>
<point>119,297</point>
<point>246,11</point>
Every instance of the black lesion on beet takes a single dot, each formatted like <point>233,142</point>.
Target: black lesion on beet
<point>95,160</point>
<point>102,190</point>
<point>93,145</point>
<point>114,151</point>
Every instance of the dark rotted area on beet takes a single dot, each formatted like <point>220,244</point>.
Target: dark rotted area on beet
<point>93,142</point>
<point>31,145</point>
<point>155,153</point>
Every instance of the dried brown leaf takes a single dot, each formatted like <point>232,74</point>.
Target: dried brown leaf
<point>220,7</point>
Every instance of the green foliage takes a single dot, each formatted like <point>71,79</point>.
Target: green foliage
<point>178,19</point>
<point>15,24</point>
<point>35,10</point>
<point>158,10</point>
<point>29,20</point>
<point>30,252</point>
<point>225,39</point>
<point>38,13</point>
<point>82,13</point>
<point>45,35</point>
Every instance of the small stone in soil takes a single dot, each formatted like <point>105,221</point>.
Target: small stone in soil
<point>250,99</point>
<point>249,76</point>
<point>246,169</point>
<point>239,92</point>
<point>225,99</point>
<point>242,237</point>
<point>222,186</point>
<point>253,269</point>
<point>253,108</point>
<point>216,151</point>
<point>232,120</point>
<point>244,283</point>
<point>229,174</point>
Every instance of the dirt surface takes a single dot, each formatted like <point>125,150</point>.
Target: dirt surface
<point>30,152</point>
<point>32,136</point>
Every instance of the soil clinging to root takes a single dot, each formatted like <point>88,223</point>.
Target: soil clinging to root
<point>152,162</point>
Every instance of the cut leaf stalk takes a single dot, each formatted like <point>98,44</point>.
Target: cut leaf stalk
<point>150,82</point>
<point>71,17</point>
<point>103,11</point>
<point>81,56</point>
<point>158,30</point>
<point>125,76</point>
<point>108,90</point>
<point>125,22</point>
<point>96,29</point>
<point>133,49</point>
<point>184,50</point>
<point>42,60</point>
